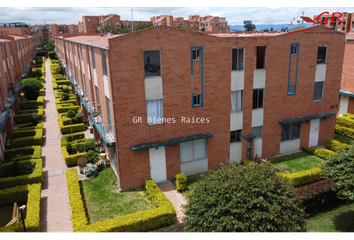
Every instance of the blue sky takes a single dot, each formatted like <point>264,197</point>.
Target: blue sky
<point>234,15</point>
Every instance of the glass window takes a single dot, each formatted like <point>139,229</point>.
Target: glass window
<point>322,53</point>
<point>261,57</point>
<point>258,98</point>
<point>193,150</point>
<point>237,58</point>
<point>197,100</point>
<point>318,93</point>
<point>93,58</point>
<point>257,131</point>
<point>152,63</point>
<point>196,54</point>
<point>290,131</point>
<point>154,111</point>
<point>294,50</point>
<point>104,66</point>
<point>237,101</point>
<point>235,136</point>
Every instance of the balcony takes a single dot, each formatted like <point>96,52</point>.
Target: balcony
<point>105,130</point>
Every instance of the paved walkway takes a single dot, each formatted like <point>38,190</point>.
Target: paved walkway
<point>55,206</point>
<point>175,197</point>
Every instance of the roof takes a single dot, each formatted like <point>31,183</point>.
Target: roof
<point>160,19</point>
<point>307,19</point>
<point>4,40</point>
<point>349,36</point>
<point>17,37</point>
<point>107,18</point>
<point>222,20</point>
<point>208,19</point>
<point>96,41</point>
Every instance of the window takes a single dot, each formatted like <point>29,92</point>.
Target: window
<point>237,58</point>
<point>104,66</point>
<point>322,53</point>
<point>89,19</point>
<point>318,93</point>
<point>117,24</point>
<point>192,25</point>
<point>294,50</point>
<point>193,150</point>
<point>237,101</point>
<point>197,24</point>
<point>261,57</point>
<point>154,111</point>
<point>109,116</point>
<point>290,131</point>
<point>206,24</point>
<point>197,100</point>
<point>235,136</point>
<point>196,54</point>
<point>216,24</point>
<point>258,98</point>
<point>257,131</point>
<point>152,63</point>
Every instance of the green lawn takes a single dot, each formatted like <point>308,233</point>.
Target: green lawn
<point>343,139</point>
<point>338,217</point>
<point>297,162</point>
<point>102,200</point>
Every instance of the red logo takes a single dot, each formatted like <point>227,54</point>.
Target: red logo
<point>333,17</point>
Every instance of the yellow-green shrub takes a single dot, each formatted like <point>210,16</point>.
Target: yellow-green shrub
<point>345,122</point>
<point>334,145</point>
<point>312,149</point>
<point>31,137</point>
<point>247,162</point>
<point>345,131</point>
<point>181,182</point>
<point>323,153</point>
<point>25,114</point>
<point>18,154</point>
<point>71,160</point>
<point>29,125</point>
<point>38,102</point>
<point>71,128</point>
<point>74,136</point>
<point>304,177</point>
<point>348,115</point>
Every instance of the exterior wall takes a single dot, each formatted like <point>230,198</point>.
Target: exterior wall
<point>348,67</point>
<point>346,18</point>
<point>351,105</point>
<point>14,30</point>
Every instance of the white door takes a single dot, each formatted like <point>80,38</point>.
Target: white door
<point>314,131</point>
<point>343,105</point>
<point>158,164</point>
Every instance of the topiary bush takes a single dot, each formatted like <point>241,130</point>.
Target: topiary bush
<point>79,118</point>
<point>71,113</point>
<point>31,87</point>
<point>181,182</point>
<point>339,168</point>
<point>65,96</point>
<point>243,199</point>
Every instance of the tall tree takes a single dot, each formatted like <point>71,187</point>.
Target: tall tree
<point>249,27</point>
<point>109,28</point>
<point>143,26</point>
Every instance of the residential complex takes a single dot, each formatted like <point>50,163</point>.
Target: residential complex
<point>346,18</point>
<point>191,101</point>
<point>195,22</point>
<point>94,24</point>
<point>48,31</point>
<point>16,52</point>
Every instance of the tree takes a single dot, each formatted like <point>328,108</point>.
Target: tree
<point>249,27</point>
<point>266,30</point>
<point>125,30</point>
<point>339,168</point>
<point>143,26</point>
<point>31,87</point>
<point>109,28</point>
<point>301,26</point>
<point>187,28</point>
<point>271,29</point>
<point>243,199</point>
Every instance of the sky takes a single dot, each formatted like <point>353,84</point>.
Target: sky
<point>72,14</point>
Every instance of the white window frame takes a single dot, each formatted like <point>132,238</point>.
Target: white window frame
<point>316,100</point>
<point>234,92</point>
<point>154,121</point>
<point>192,144</point>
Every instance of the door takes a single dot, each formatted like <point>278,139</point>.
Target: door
<point>314,131</point>
<point>158,164</point>
<point>343,105</point>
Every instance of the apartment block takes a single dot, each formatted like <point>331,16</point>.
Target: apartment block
<point>192,101</point>
<point>16,53</point>
<point>195,22</point>
<point>345,17</point>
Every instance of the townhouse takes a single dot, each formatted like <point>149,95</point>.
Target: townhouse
<point>16,53</point>
<point>164,100</point>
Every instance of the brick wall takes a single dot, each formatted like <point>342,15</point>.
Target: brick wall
<point>348,67</point>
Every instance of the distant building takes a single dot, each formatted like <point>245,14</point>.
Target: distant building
<point>346,18</point>
<point>14,28</point>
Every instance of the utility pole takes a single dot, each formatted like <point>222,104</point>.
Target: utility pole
<point>303,19</point>
<point>132,21</point>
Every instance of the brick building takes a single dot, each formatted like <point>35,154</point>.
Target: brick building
<point>16,51</point>
<point>195,22</point>
<point>187,101</point>
<point>346,18</point>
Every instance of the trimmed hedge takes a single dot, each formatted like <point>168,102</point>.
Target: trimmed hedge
<point>247,162</point>
<point>38,102</point>
<point>71,100</point>
<point>71,160</point>
<point>25,114</point>
<point>27,126</point>
<point>303,177</point>
<point>62,108</point>
<point>323,153</point>
<point>35,177</point>
<point>348,132</point>
<point>142,221</point>
<point>29,193</point>
<point>181,182</point>
<point>334,145</point>
<point>63,82</point>
<point>74,136</point>
<point>18,154</point>
<point>345,122</point>
<point>23,138</point>
<point>348,115</point>
<point>71,128</point>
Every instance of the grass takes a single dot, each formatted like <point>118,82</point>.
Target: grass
<point>343,139</point>
<point>5,215</point>
<point>297,162</point>
<point>102,200</point>
<point>338,217</point>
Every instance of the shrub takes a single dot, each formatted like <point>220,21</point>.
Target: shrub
<point>92,156</point>
<point>323,153</point>
<point>82,162</point>
<point>339,168</point>
<point>65,97</point>
<point>303,177</point>
<point>71,128</point>
<point>69,148</point>
<point>33,104</point>
<point>181,182</point>
<point>71,137</point>
<point>334,145</point>
<point>312,149</point>
<point>34,118</point>
<point>246,199</point>
<point>90,170</point>
<point>30,138</point>
<point>79,118</point>
<point>348,132</point>
<point>65,89</point>
<point>28,126</point>
<point>316,195</point>
<point>71,160</point>
<point>71,113</point>
<point>31,87</point>
<point>62,108</point>
<point>25,114</point>
<point>18,154</point>
<point>90,145</point>
<point>60,70</point>
<point>52,55</point>
<point>247,162</point>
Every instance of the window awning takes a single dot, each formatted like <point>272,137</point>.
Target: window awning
<point>306,118</point>
<point>170,141</point>
<point>248,136</point>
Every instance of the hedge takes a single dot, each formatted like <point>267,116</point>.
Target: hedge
<point>74,136</point>
<point>25,114</point>
<point>71,128</point>
<point>181,182</point>
<point>348,132</point>
<point>63,82</point>
<point>29,193</point>
<point>303,177</point>
<point>71,160</point>
<point>62,108</point>
<point>334,145</point>
<point>35,138</point>
<point>38,102</point>
<point>247,162</point>
<point>18,154</point>
<point>27,126</point>
<point>345,122</point>
<point>348,115</point>
<point>71,100</point>
<point>323,153</point>
<point>142,221</point>
<point>35,177</point>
